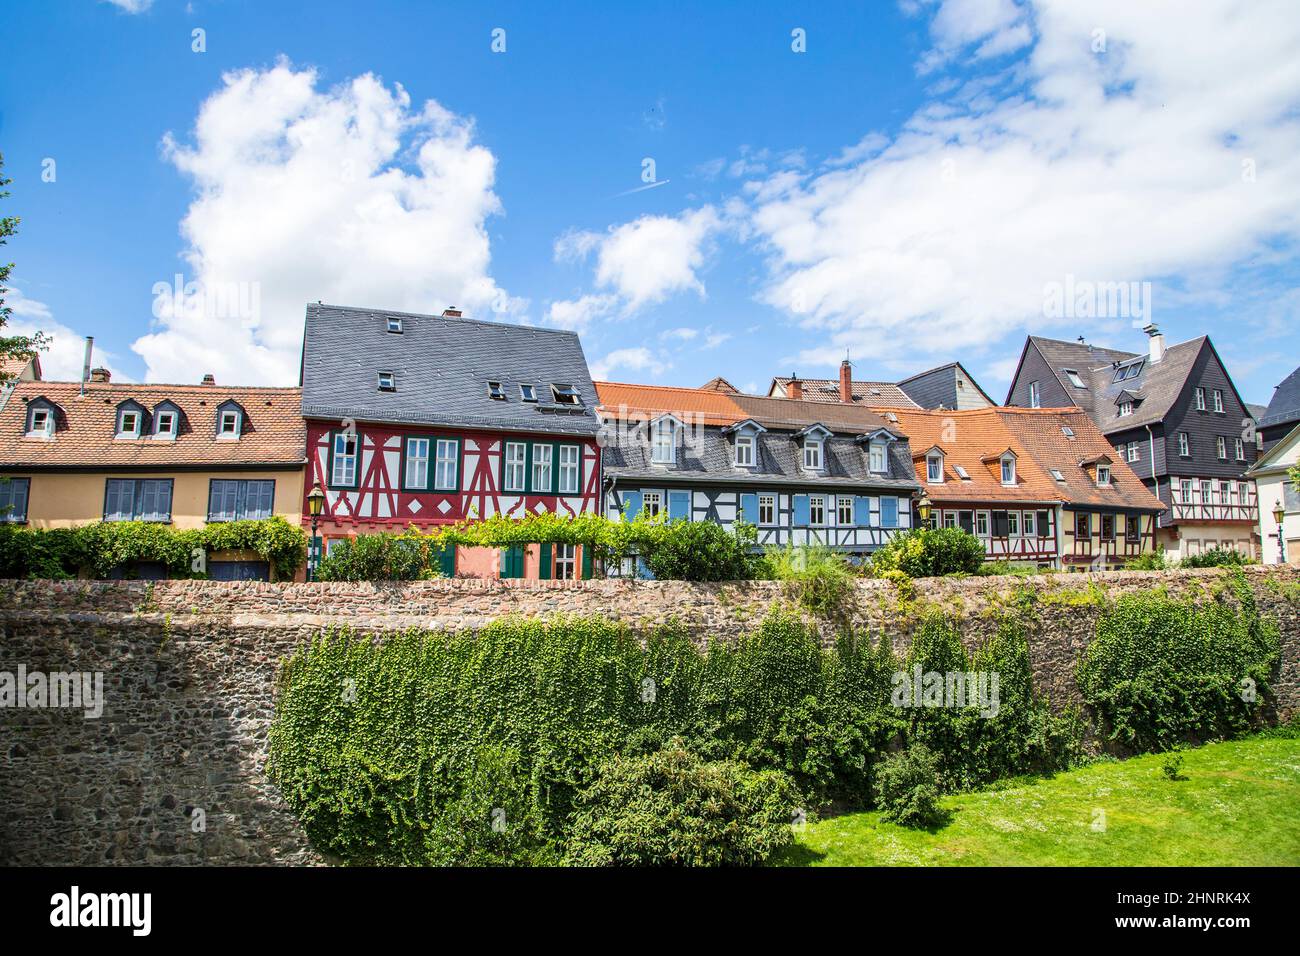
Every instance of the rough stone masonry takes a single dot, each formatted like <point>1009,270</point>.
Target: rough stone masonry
<point>173,770</point>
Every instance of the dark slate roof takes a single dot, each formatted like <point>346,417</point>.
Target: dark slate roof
<point>1285,406</point>
<point>442,365</point>
<point>705,455</point>
<point>1256,411</point>
<point>1158,386</point>
<point>937,387</point>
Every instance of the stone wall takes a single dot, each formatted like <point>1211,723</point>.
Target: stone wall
<point>173,771</point>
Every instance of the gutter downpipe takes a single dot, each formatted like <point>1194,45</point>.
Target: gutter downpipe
<point>1151,442</point>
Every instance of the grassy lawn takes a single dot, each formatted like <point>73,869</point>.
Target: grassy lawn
<point>1238,806</point>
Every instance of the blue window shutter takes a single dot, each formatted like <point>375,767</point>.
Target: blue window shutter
<point>679,505</point>
<point>749,508</point>
<point>631,504</point>
<point>214,499</point>
<point>889,512</point>
<point>801,513</point>
<point>862,512</point>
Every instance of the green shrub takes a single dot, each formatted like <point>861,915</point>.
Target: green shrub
<point>698,551</point>
<point>1163,670</point>
<point>1216,558</point>
<point>817,577</point>
<point>1172,765</point>
<point>670,808</point>
<point>907,787</point>
<point>376,557</point>
<point>930,552</point>
<point>1151,561</point>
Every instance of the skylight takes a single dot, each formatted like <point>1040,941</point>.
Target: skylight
<point>1067,431</point>
<point>565,394</point>
<point>394,324</point>
<point>387,382</point>
<point>1056,473</point>
<point>1073,375</point>
<point>961,472</point>
<point>528,393</point>
<point>495,391</point>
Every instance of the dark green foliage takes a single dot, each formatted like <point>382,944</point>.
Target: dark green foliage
<point>930,552</point>
<point>1163,671</point>
<point>818,578</point>
<point>907,787</point>
<point>100,549</point>
<point>378,557</point>
<point>379,747</point>
<point>670,808</point>
<point>1215,558</point>
<point>699,551</point>
<point>1172,765</point>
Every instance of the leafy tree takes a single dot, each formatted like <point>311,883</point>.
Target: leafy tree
<point>12,346</point>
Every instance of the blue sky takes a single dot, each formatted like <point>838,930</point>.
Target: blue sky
<point>903,190</point>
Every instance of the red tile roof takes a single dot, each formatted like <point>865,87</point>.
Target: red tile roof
<point>274,432</point>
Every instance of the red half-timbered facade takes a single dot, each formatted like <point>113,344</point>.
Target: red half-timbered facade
<point>425,421</point>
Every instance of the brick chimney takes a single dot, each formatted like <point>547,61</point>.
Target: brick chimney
<point>846,382</point>
<point>452,313</point>
<point>209,379</point>
<point>794,388</point>
<point>100,375</point>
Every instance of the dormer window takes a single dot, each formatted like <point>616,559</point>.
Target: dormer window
<point>394,325</point>
<point>877,458</point>
<point>41,423</point>
<point>1125,409</point>
<point>745,451</point>
<point>813,449</point>
<point>229,423</point>
<point>934,468</point>
<point>663,444</point>
<point>566,395</point>
<point>528,393</point>
<point>1103,475</point>
<point>387,383</point>
<point>164,425</point>
<point>496,392</point>
<point>129,422</point>
<point>1008,469</point>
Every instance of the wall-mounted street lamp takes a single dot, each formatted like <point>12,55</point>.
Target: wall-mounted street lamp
<point>923,509</point>
<point>315,505</point>
<point>1279,514</point>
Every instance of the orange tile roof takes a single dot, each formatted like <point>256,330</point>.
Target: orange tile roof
<point>11,367</point>
<point>714,407</point>
<point>274,432</point>
<point>976,438</point>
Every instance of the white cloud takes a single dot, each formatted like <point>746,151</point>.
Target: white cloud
<point>63,360</point>
<point>348,195</point>
<point>131,6</point>
<point>1121,165</point>
<point>578,314</point>
<point>684,334</point>
<point>638,359</point>
<point>640,262</point>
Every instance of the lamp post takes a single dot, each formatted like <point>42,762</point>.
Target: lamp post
<point>1279,515</point>
<point>315,505</point>
<point>923,509</point>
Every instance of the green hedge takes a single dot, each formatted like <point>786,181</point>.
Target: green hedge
<point>930,552</point>
<point>403,751</point>
<point>100,549</point>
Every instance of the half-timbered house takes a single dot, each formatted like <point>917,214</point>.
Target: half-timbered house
<point>802,473</point>
<point>422,420</point>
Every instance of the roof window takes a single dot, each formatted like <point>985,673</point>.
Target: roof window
<point>496,392</point>
<point>565,394</point>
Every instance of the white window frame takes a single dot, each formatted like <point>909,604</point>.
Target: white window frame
<point>169,432</point>
<point>514,475</point>
<point>1103,476</point>
<point>570,470</point>
<point>814,454</point>
<point>229,415</point>
<point>981,524</point>
<point>1125,409</point>
<point>1184,445</point>
<point>767,503</point>
<point>878,458</point>
<point>446,454</point>
<point>844,510</point>
<point>1221,447</point>
<point>1013,524</point>
<point>1029,525</point>
<point>930,462</point>
<point>387,382</point>
<point>44,430</point>
<point>566,395</point>
<point>1133,451</point>
<point>1200,398</point>
<point>394,325</point>
<point>1218,400</point>
<point>1073,376</point>
<point>950,519</point>
<point>343,456</point>
<point>663,442</point>
<point>745,448</point>
<point>1185,489</point>
<point>1008,468</point>
<point>1240,448</point>
<point>817,503</point>
<point>544,466</point>
<point>135,416</point>
<point>496,391</point>
<point>566,562</point>
<point>418,463</point>
<point>652,503</point>
<point>1035,395</point>
<point>527,393</point>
